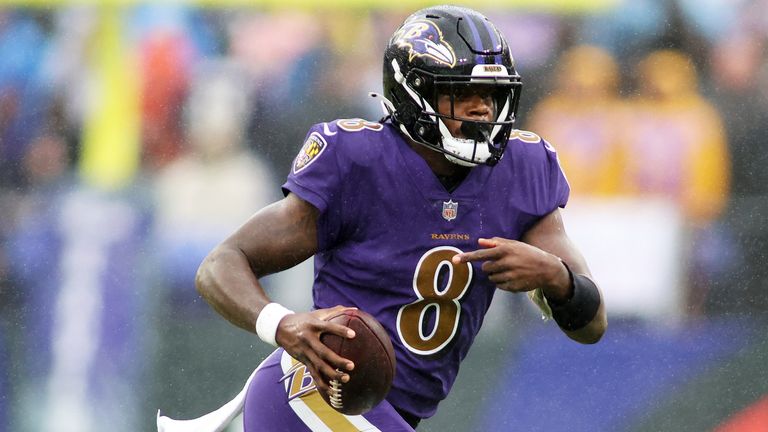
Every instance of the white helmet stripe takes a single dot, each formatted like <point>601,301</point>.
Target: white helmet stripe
<point>502,115</point>
<point>418,99</point>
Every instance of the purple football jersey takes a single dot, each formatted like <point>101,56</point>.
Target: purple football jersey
<point>387,231</point>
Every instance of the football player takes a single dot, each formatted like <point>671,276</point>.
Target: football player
<point>418,219</point>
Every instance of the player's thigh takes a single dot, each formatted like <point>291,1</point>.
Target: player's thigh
<point>282,397</point>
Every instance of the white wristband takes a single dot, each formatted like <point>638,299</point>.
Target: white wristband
<point>267,321</point>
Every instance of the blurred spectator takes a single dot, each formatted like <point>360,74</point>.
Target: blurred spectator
<point>164,87</point>
<point>739,83</point>
<point>171,40</point>
<point>737,63</point>
<point>634,27</point>
<point>205,193</point>
<point>300,81</point>
<point>580,118</point>
<point>676,139</point>
<point>23,42</point>
<point>536,39</point>
<point>200,198</point>
<point>630,27</point>
<point>678,151</point>
<point>281,71</point>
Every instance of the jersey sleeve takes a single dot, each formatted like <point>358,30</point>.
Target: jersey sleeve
<point>316,177</point>
<point>559,191</point>
<point>559,188</point>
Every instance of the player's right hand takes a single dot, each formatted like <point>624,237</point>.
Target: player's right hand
<point>299,334</point>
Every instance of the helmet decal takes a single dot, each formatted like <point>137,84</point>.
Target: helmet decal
<point>422,38</point>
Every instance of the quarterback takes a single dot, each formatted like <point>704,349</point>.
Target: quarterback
<point>418,219</point>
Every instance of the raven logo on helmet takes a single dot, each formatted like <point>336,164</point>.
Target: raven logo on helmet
<point>423,38</point>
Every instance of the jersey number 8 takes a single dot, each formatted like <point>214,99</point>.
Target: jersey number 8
<point>443,297</point>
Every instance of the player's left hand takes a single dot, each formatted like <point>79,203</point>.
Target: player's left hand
<point>517,267</point>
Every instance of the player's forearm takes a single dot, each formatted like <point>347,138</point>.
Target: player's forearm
<point>228,284</point>
<point>578,304</point>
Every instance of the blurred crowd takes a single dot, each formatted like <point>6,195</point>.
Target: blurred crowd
<point>133,139</point>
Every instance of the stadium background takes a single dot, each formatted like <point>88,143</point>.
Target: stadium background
<point>134,136</point>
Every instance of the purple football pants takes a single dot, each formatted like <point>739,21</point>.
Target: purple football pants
<point>282,398</point>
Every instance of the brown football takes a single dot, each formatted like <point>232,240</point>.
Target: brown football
<point>371,351</point>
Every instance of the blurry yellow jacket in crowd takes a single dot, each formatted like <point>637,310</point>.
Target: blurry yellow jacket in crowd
<point>580,118</point>
<point>675,139</point>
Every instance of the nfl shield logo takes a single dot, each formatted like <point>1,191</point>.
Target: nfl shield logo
<point>450,209</point>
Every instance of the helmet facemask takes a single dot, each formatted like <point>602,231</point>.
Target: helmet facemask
<point>483,141</point>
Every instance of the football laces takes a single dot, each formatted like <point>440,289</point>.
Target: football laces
<point>335,394</point>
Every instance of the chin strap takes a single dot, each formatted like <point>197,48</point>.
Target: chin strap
<point>477,135</point>
<point>389,110</point>
<point>386,105</point>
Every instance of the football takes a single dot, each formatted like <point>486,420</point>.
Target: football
<point>371,351</point>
